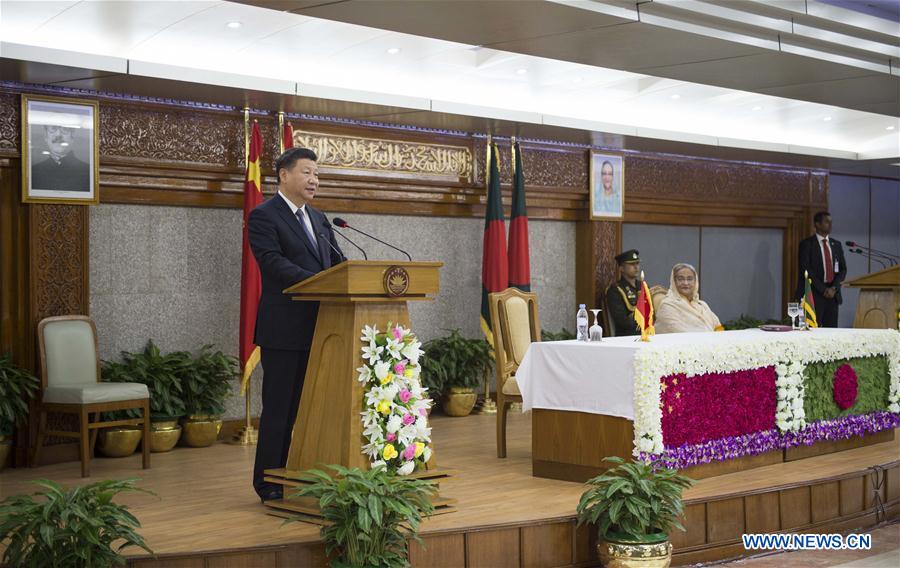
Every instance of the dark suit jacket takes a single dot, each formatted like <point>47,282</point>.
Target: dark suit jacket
<point>285,257</point>
<point>811,260</point>
<point>70,174</point>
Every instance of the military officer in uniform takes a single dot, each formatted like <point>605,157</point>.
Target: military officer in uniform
<point>621,296</point>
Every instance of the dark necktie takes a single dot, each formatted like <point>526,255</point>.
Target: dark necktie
<point>301,218</point>
<point>829,265</point>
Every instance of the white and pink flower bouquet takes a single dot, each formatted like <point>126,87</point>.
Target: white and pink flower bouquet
<point>396,434</point>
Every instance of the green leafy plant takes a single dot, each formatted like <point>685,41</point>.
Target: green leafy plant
<point>17,387</point>
<point>750,322</point>
<point>161,373</point>
<point>455,361</point>
<point>561,335</point>
<point>69,528</point>
<point>206,383</point>
<point>633,501</point>
<point>369,514</point>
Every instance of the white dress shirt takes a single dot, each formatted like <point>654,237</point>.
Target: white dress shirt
<point>306,219</point>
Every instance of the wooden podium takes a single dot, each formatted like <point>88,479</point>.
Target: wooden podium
<point>328,428</point>
<point>879,299</point>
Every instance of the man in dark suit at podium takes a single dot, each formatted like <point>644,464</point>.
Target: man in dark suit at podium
<point>291,241</point>
<point>823,258</point>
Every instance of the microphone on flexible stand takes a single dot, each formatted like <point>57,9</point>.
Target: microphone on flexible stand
<point>877,252</point>
<point>869,256</point>
<point>343,236</point>
<point>343,224</point>
<point>334,248</point>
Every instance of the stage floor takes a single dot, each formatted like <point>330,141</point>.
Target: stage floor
<point>204,502</point>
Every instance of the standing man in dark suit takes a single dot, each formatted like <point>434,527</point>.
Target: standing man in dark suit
<point>291,241</point>
<point>823,259</point>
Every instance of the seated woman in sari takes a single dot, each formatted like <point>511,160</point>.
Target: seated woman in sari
<point>682,309</point>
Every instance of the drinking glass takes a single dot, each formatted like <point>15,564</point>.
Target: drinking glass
<point>793,310</point>
<point>596,331</point>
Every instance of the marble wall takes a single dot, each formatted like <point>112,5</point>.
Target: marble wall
<point>173,274</point>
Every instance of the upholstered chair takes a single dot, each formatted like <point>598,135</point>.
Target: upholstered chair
<point>515,326</point>
<point>70,383</point>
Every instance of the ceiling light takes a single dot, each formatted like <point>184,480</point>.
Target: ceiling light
<point>63,143</point>
<point>45,152</point>
<point>675,97</point>
<point>889,128</point>
<point>757,107</point>
<point>393,51</point>
<point>521,71</point>
<point>234,25</point>
<point>827,119</point>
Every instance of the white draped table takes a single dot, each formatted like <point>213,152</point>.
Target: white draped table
<point>583,394</point>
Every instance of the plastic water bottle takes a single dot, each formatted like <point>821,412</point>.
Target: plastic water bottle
<point>581,323</point>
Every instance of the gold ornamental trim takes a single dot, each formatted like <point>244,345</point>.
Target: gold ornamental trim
<point>396,281</point>
<point>389,157</point>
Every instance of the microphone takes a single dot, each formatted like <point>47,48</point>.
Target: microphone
<point>874,251</point>
<point>340,234</point>
<point>869,256</point>
<point>334,248</point>
<point>343,224</point>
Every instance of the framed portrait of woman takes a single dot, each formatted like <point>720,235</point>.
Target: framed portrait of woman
<point>607,186</point>
<point>60,156</point>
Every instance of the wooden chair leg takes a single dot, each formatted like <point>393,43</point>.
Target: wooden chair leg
<point>84,443</point>
<point>501,425</point>
<point>145,444</point>
<point>94,432</point>
<point>41,435</point>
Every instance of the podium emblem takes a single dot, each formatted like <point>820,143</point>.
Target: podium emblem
<point>396,281</point>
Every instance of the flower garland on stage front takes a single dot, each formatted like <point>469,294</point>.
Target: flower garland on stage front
<point>395,418</point>
<point>793,353</point>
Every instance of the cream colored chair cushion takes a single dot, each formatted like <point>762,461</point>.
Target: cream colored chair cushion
<point>511,387</point>
<point>94,393</point>
<point>71,353</point>
<point>519,328</point>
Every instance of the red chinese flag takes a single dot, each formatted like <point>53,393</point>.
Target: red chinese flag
<point>251,284</point>
<point>288,136</point>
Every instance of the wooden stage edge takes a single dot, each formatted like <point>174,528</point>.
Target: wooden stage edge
<point>205,514</point>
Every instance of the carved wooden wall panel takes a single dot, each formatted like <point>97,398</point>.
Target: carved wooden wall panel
<point>544,166</point>
<point>9,123</point>
<point>59,260</point>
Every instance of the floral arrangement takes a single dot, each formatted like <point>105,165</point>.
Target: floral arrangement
<point>845,386</point>
<point>395,417</point>
<point>745,431</point>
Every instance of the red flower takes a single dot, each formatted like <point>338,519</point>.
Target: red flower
<point>717,405</point>
<point>845,386</point>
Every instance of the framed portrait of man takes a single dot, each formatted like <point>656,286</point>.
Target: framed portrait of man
<point>60,153</point>
<point>607,186</point>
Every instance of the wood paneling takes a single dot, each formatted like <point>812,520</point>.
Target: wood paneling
<point>724,520</point>
<point>242,560</point>
<point>851,491</point>
<point>572,445</point>
<point>493,549</point>
<point>195,562</point>
<point>694,522</point>
<point>547,546</point>
<point>585,544</point>
<point>439,551</point>
<point>761,513</point>
<point>795,508</point>
<point>714,469</point>
<point>893,483</point>
<point>825,501</point>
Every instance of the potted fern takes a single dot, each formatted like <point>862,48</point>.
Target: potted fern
<point>205,386</point>
<point>162,375</point>
<point>633,506</point>
<point>77,528</point>
<point>17,387</point>
<point>454,365</point>
<point>369,514</point>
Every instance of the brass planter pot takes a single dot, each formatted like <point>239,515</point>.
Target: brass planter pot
<point>459,401</point>
<point>164,434</point>
<point>630,554</point>
<point>119,441</point>
<point>201,431</point>
<point>5,450</point>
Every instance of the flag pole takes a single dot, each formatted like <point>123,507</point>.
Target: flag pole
<point>488,406</point>
<point>281,132</point>
<point>247,435</point>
